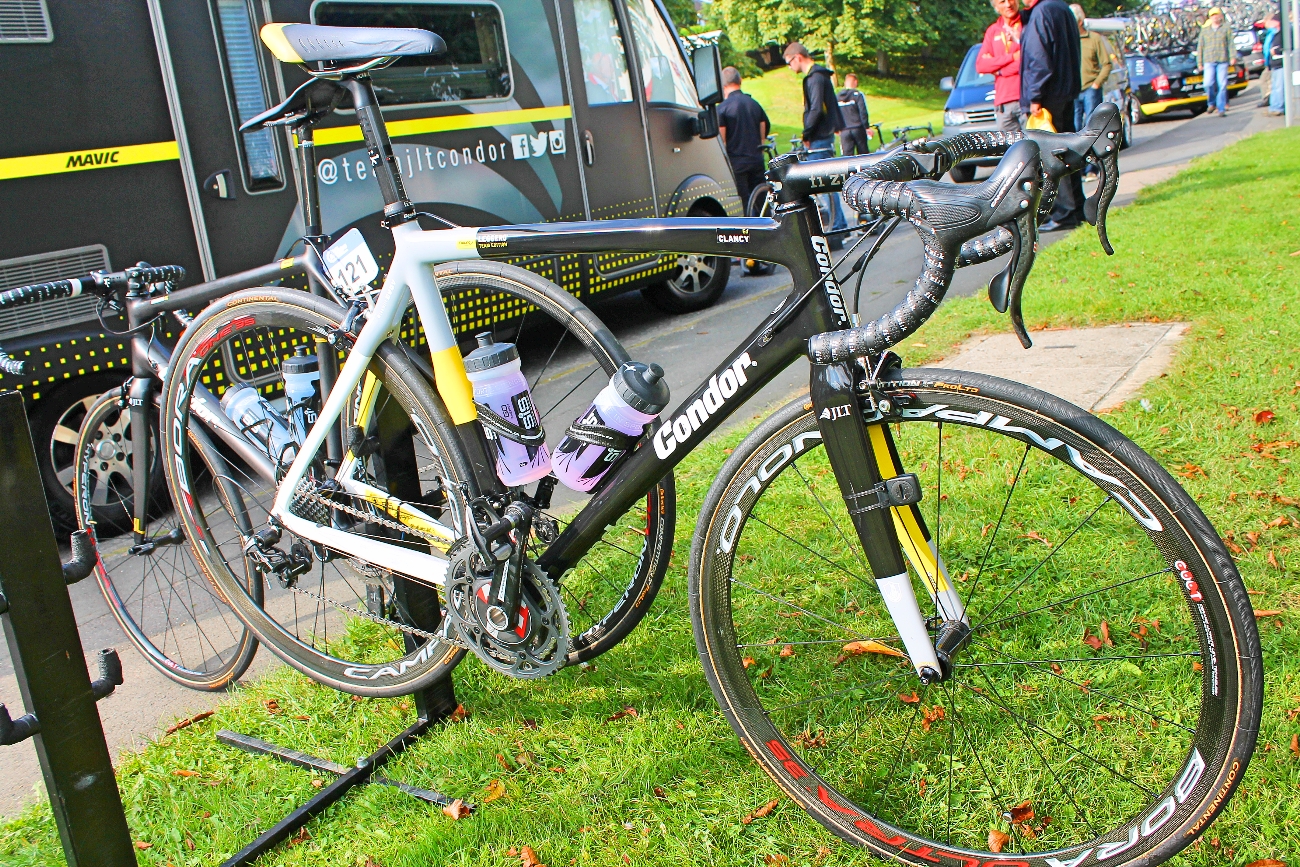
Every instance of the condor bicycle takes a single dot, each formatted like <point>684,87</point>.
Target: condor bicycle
<point>951,616</point>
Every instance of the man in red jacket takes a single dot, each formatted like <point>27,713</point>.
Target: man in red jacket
<point>1000,57</point>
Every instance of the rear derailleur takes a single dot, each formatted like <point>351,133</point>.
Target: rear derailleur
<point>266,558</point>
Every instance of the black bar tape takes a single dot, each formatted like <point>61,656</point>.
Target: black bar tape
<point>945,217</point>
<point>39,292</point>
<point>9,364</point>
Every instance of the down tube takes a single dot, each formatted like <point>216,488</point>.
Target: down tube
<point>752,365</point>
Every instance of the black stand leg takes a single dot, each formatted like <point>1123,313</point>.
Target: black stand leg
<point>46,649</point>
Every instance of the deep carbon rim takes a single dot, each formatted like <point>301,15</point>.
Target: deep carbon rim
<point>1196,777</point>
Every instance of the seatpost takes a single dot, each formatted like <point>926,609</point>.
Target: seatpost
<point>311,220</point>
<point>397,209</point>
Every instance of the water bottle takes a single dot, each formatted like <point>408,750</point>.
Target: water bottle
<point>602,435</point>
<point>507,412</point>
<point>260,422</point>
<point>301,374</point>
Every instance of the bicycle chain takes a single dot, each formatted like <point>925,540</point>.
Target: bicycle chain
<point>372,518</point>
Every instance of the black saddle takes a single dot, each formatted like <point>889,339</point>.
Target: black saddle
<point>310,43</point>
<point>313,100</point>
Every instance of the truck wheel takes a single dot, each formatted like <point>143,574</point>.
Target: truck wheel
<point>962,173</point>
<point>696,283</point>
<point>54,423</point>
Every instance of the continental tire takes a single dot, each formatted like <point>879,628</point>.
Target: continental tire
<point>1108,701</point>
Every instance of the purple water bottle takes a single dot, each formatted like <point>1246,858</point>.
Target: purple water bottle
<point>610,427</point>
<point>506,411</point>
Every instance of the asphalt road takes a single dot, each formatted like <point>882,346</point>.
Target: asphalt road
<point>688,347</point>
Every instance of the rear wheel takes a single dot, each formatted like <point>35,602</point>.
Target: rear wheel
<point>155,589</point>
<point>1107,701</point>
<point>760,204</point>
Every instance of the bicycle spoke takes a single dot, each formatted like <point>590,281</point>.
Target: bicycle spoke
<point>979,573</point>
<point>795,466</point>
<point>570,391</point>
<point>1075,597</point>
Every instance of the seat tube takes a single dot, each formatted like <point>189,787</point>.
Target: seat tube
<point>848,446</point>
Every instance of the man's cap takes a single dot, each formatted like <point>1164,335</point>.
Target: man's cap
<point>1215,10</point>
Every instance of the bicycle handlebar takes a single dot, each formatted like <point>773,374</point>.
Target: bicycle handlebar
<point>946,216</point>
<point>99,283</point>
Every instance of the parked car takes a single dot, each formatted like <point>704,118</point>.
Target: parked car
<point>970,106</point>
<point>1172,82</point>
<point>1249,43</point>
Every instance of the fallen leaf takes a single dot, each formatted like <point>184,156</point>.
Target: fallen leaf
<point>909,699</point>
<point>998,839</point>
<point>456,809</point>
<point>189,843</point>
<point>1091,640</point>
<point>526,759</point>
<point>1056,668</point>
<point>186,723</point>
<point>1022,812</point>
<point>625,712</point>
<point>660,793</point>
<point>1190,470</point>
<point>760,812</point>
<point>1272,559</point>
<point>184,773</point>
<point>788,650</point>
<point>1232,545</point>
<point>1105,634</point>
<point>748,661</point>
<point>1253,538</point>
<point>505,764</point>
<point>930,716</point>
<point>1264,416</point>
<point>1196,665</point>
<point>316,784</point>
<point>142,845</point>
<point>1267,862</point>
<point>1267,612</point>
<point>1295,746</point>
<point>530,724</point>
<point>302,717</point>
<point>777,860</point>
<point>857,648</point>
<point>1278,522</point>
<point>920,786</point>
<point>302,836</point>
<point>496,789</point>
<point>808,740</point>
<point>460,714</point>
<point>529,857</point>
<point>1101,718</point>
<point>271,705</point>
<point>1037,537</point>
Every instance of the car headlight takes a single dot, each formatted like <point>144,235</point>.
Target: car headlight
<point>954,118</point>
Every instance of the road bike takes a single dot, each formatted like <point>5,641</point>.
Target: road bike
<point>951,616</point>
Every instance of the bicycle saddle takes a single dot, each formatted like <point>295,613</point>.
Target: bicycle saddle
<point>309,43</point>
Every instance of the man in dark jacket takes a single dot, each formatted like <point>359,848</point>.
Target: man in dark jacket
<point>743,125</point>
<point>853,109</point>
<point>821,115</point>
<point>1050,79</point>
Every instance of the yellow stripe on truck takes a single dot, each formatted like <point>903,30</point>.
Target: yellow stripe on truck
<point>80,161</point>
<point>420,125</point>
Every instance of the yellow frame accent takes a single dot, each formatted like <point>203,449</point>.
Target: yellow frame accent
<point>907,523</point>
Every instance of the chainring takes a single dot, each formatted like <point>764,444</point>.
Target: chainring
<point>539,643</point>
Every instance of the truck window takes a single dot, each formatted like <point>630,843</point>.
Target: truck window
<point>476,65</point>
<point>244,81</point>
<point>604,62</point>
<point>662,65</point>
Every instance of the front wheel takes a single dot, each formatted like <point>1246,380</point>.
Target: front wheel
<point>1106,703</point>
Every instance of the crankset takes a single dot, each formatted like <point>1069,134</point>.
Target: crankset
<point>538,641</point>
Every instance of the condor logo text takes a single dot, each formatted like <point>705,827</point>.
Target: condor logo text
<point>718,391</point>
<point>826,265</point>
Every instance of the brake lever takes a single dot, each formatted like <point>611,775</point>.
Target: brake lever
<point>1096,205</point>
<point>1025,231</point>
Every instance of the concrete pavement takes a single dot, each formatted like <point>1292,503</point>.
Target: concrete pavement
<point>689,347</point>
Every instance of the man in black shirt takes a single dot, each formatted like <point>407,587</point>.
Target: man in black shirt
<point>853,108</point>
<point>1050,78</point>
<point>743,125</point>
<point>821,116</point>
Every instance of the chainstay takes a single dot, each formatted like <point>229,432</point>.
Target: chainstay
<point>374,618</point>
<point>369,517</point>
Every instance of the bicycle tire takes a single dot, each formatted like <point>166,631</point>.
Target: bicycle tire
<point>760,204</point>
<point>1168,695</point>
<point>161,598</point>
<point>373,650</point>
<point>603,605</point>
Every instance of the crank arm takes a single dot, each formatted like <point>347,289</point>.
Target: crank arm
<point>845,437</point>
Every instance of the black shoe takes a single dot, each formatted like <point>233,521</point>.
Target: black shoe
<point>1053,226</point>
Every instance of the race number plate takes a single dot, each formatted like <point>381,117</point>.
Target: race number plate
<point>350,263</point>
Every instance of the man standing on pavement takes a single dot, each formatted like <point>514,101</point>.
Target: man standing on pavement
<point>1213,53</point>
<point>821,117</point>
<point>1050,80</point>
<point>853,108</point>
<point>1000,57</point>
<point>1095,69</point>
<point>743,125</point>
<point>1275,97</point>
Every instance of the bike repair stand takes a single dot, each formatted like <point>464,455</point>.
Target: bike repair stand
<point>433,704</point>
<point>49,663</point>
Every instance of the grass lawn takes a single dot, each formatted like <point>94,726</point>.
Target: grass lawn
<point>890,103</point>
<point>1217,246</point>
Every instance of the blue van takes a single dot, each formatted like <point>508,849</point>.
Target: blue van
<point>970,105</point>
